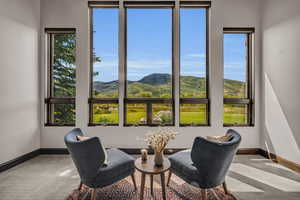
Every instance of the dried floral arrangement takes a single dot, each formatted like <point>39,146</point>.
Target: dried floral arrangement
<point>159,139</point>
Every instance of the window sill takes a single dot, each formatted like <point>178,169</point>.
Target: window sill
<point>59,125</point>
<point>102,125</point>
<point>194,125</point>
<point>238,125</point>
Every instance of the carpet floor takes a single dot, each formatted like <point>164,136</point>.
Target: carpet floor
<point>124,190</point>
<point>54,177</point>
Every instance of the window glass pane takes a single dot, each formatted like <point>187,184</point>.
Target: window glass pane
<point>63,65</point>
<point>64,113</point>
<point>235,65</point>
<point>105,52</point>
<point>162,114</point>
<point>136,114</point>
<point>193,114</point>
<point>106,113</point>
<point>235,113</point>
<point>193,53</point>
<point>149,52</point>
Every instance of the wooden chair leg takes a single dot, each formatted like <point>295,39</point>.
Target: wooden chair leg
<point>169,178</point>
<point>225,188</point>
<point>94,194</point>
<point>133,180</point>
<point>151,184</point>
<point>204,194</point>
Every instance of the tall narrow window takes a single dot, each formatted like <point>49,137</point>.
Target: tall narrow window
<point>60,101</point>
<point>238,79</point>
<point>105,66</point>
<point>149,92</point>
<point>193,67</point>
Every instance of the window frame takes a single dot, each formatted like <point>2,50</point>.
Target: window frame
<point>175,98</point>
<point>203,101</point>
<point>249,101</point>
<point>150,100</point>
<point>94,100</point>
<point>50,99</point>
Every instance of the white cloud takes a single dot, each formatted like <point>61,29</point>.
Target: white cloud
<point>193,73</point>
<point>234,65</point>
<point>192,64</point>
<point>148,64</point>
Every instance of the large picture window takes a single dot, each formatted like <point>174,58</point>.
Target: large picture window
<point>238,78</point>
<point>194,106</point>
<point>149,98</point>
<point>134,69</point>
<point>60,101</point>
<point>104,108</point>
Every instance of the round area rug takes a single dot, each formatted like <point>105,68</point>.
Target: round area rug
<point>124,190</point>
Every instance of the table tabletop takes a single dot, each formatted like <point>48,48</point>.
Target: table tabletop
<point>149,167</point>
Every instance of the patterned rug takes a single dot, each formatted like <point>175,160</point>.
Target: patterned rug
<point>124,190</point>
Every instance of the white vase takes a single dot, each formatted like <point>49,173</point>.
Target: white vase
<point>158,158</point>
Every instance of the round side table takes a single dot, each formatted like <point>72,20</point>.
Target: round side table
<point>148,168</point>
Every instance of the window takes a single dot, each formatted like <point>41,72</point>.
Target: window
<point>104,108</point>
<point>134,43</point>
<point>60,101</point>
<point>238,78</point>
<point>194,106</point>
<point>149,98</point>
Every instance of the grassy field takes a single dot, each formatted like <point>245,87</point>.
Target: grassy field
<point>189,114</point>
<point>235,114</point>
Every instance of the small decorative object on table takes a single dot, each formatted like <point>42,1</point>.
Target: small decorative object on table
<point>158,141</point>
<point>144,154</point>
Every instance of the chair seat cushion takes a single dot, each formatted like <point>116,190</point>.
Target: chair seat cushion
<point>119,166</point>
<point>182,166</point>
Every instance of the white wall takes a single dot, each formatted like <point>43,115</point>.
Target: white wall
<point>19,84</point>
<point>74,13</point>
<point>281,78</point>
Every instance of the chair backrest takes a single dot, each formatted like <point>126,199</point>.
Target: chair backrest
<point>88,155</point>
<point>213,159</point>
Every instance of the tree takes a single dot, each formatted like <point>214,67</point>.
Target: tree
<point>64,76</point>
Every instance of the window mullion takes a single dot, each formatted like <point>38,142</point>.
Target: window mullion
<point>122,63</point>
<point>176,63</point>
<point>149,113</point>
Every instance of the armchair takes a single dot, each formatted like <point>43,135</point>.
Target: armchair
<point>206,164</point>
<point>88,157</point>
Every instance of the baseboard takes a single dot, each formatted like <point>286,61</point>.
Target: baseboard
<point>243,151</point>
<point>12,163</point>
<point>52,151</point>
<point>248,151</point>
<point>278,159</point>
<point>168,151</point>
<point>126,150</point>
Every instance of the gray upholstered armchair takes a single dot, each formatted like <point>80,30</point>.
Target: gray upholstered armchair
<point>206,164</point>
<point>88,157</point>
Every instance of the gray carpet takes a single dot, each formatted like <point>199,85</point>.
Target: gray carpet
<point>53,177</point>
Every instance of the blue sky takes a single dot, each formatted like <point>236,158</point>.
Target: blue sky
<point>149,44</point>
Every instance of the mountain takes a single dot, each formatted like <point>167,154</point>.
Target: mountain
<point>156,79</point>
<point>158,85</point>
<point>105,86</point>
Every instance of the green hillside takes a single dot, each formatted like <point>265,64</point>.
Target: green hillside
<point>159,86</point>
